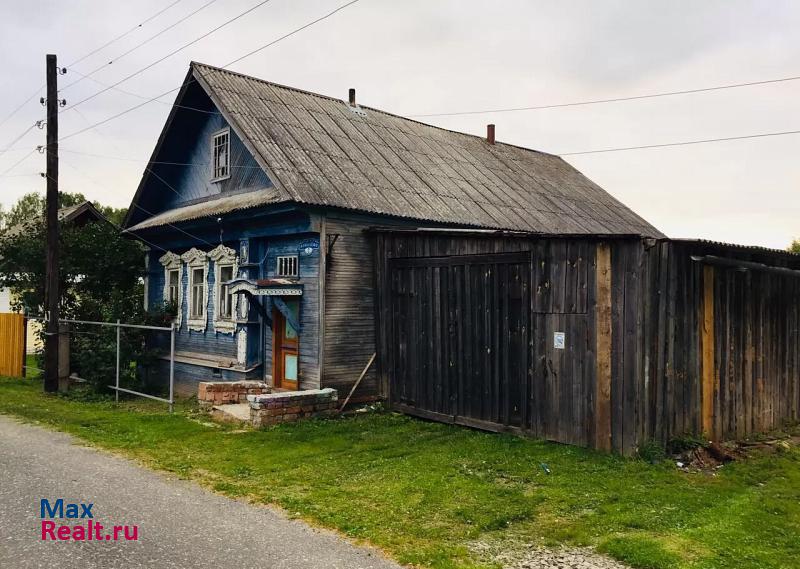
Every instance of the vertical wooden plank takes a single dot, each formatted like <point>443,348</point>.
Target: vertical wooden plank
<point>631,354</point>
<point>708,340</point>
<point>603,349</point>
<point>542,274</point>
<point>558,270</point>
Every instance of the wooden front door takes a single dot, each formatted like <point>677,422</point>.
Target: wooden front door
<point>285,358</point>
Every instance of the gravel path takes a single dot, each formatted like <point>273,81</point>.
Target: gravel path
<point>180,524</point>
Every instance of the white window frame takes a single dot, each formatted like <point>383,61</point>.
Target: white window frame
<point>196,259</point>
<point>172,262</point>
<point>290,259</point>
<point>224,257</point>
<point>214,167</point>
<point>168,295</point>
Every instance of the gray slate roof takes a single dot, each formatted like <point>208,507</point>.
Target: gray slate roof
<point>219,206</point>
<point>318,150</point>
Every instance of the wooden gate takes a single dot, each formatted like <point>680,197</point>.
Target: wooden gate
<point>12,344</point>
<point>460,328</point>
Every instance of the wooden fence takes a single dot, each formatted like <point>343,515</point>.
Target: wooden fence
<point>622,341</point>
<point>12,344</point>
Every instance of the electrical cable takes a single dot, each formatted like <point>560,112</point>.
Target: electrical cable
<point>611,100</point>
<point>681,143</point>
<point>137,46</point>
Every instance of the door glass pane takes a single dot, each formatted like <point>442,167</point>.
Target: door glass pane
<point>294,308</point>
<point>290,367</point>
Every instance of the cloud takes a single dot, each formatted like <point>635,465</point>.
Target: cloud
<point>418,56</point>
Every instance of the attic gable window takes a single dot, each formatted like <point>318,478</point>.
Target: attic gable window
<point>221,154</point>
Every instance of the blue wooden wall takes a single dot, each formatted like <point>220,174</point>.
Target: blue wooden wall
<point>182,169</point>
<point>268,236</point>
<point>308,270</point>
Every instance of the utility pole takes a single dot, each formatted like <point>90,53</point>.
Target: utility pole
<point>52,293</point>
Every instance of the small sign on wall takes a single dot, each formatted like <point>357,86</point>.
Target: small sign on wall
<point>308,246</point>
<point>559,340</point>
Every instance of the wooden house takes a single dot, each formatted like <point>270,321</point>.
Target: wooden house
<point>300,234</point>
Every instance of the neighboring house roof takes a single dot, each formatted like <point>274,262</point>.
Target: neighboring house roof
<point>80,213</point>
<point>318,150</point>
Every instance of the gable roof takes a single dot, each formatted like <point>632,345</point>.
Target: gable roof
<point>318,150</point>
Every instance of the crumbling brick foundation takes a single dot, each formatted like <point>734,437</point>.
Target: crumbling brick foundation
<point>210,393</point>
<point>290,406</point>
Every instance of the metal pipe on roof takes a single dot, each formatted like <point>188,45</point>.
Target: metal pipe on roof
<point>745,265</point>
<point>351,95</point>
<point>490,133</point>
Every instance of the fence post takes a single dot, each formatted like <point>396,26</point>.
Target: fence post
<point>24,344</point>
<point>63,356</point>
<point>171,364</point>
<point>116,391</point>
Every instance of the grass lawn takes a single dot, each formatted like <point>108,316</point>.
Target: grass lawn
<point>424,491</point>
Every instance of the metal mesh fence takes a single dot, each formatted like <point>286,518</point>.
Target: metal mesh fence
<point>125,358</point>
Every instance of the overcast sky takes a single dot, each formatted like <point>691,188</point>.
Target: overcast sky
<point>427,56</point>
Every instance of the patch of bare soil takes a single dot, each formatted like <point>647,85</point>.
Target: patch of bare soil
<point>522,556</point>
<point>713,456</point>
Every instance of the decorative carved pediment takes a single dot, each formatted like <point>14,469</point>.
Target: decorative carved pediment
<point>222,254</point>
<point>195,257</point>
<point>170,260</point>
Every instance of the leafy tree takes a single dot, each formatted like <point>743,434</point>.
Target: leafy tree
<point>101,275</point>
<point>795,246</point>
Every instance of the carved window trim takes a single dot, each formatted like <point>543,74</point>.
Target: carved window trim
<point>172,262</point>
<point>224,257</point>
<point>196,259</point>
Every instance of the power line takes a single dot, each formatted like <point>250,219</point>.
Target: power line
<point>144,97</point>
<point>144,210</point>
<point>293,32</point>
<point>18,138</point>
<point>191,80</point>
<point>125,159</point>
<point>124,34</point>
<point>612,100</point>
<point>18,162</point>
<point>170,54</point>
<point>125,112</point>
<point>682,143</point>
<point>22,104</point>
<point>137,46</point>
<point>105,45</point>
<point>19,175</point>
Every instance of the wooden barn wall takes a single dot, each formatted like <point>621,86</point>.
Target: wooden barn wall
<point>555,395</point>
<point>349,293</point>
<point>349,312</point>
<point>639,323</point>
<point>729,334</point>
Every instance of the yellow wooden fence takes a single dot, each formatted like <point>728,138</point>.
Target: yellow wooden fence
<point>12,344</point>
